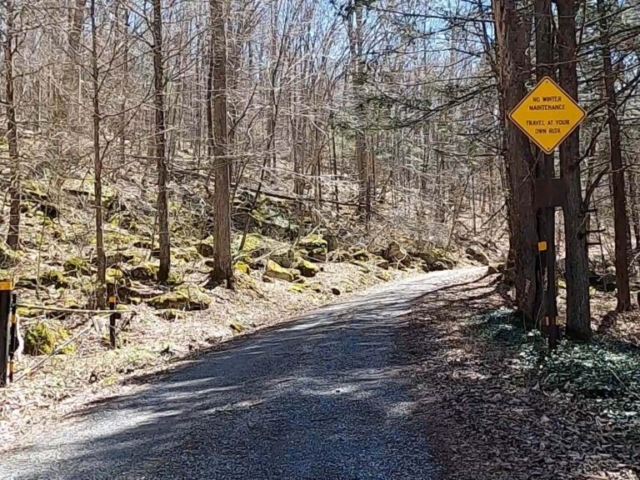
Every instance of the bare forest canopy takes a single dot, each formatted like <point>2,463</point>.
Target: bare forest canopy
<point>374,120</point>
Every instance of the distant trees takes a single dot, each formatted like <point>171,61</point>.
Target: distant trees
<point>393,112</point>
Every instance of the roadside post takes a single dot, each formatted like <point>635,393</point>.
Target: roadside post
<point>548,115</point>
<point>5,312</point>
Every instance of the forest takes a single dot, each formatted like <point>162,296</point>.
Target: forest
<point>209,168</point>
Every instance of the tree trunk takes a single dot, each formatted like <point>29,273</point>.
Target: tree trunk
<point>545,162</point>
<point>577,260</point>
<point>160,144</point>
<point>621,222</point>
<point>513,35</point>
<point>97,162</point>
<point>13,236</point>
<point>223,269</point>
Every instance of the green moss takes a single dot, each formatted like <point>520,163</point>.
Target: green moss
<point>274,270</point>
<point>144,271</point>
<point>188,254</point>
<point>43,339</point>
<point>298,288</point>
<point>77,266</point>
<point>28,312</point>
<point>307,268</point>
<point>285,257</point>
<point>54,277</point>
<point>254,246</point>
<point>172,314</point>
<point>315,245</point>
<point>188,297</point>
<point>241,267</point>
<point>115,276</point>
<point>8,257</point>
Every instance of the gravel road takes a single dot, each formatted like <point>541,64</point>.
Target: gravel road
<point>324,397</point>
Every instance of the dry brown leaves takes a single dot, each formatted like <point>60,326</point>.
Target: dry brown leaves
<point>489,420</point>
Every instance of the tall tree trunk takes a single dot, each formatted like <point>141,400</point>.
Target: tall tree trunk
<point>358,84</point>
<point>545,162</point>
<point>12,129</point>
<point>577,259</point>
<point>513,33</point>
<point>222,269</point>
<point>160,144</point>
<point>97,161</point>
<point>621,222</point>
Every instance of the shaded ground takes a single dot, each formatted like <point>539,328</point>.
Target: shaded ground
<point>494,408</point>
<point>64,382</point>
<point>324,397</point>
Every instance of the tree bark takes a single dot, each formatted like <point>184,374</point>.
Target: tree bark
<point>512,30</point>
<point>160,144</point>
<point>13,236</point>
<point>97,162</point>
<point>621,221</point>
<point>223,268</point>
<point>577,260</point>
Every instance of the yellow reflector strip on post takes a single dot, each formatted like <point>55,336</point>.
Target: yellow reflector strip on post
<point>542,246</point>
<point>6,285</point>
<point>112,299</point>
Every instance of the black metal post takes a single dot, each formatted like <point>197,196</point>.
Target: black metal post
<point>5,310</point>
<point>552,293</point>
<point>13,342</point>
<point>112,318</point>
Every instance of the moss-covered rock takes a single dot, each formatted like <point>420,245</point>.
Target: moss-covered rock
<point>55,278</point>
<point>43,339</point>
<point>186,297</point>
<point>315,245</point>
<point>144,272</point>
<point>77,266</point>
<point>172,314</point>
<point>205,247</point>
<point>360,254</point>
<point>397,255</point>
<point>35,190</point>
<point>436,259</point>
<point>285,257</point>
<point>85,187</point>
<point>274,270</point>
<point>241,267</point>
<point>307,268</point>
<point>298,288</point>
<point>477,255</point>
<point>8,257</point>
<point>115,276</point>
<point>186,254</point>
<point>254,246</point>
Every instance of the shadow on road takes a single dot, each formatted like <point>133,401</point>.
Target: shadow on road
<point>314,398</point>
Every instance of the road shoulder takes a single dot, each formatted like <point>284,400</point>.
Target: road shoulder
<point>490,415</point>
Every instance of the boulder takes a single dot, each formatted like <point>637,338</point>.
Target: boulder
<point>44,338</point>
<point>285,257</point>
<point>315,246</point>
<point>307,268</point>
<point>274,270</point>
<point>396,254</point>
<point>77,266</point>
<point>187,297</point>
<point>477,255</point>
<point>205,247</point>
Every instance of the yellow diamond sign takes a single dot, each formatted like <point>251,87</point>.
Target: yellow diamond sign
<point>547,115</point>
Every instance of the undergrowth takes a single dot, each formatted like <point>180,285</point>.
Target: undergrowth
<point>606,371</point>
